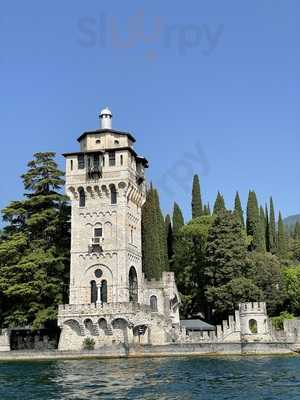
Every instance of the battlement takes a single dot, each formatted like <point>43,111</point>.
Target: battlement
<point>253,308</point>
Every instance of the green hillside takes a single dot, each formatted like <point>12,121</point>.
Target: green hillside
<point>291,220</point>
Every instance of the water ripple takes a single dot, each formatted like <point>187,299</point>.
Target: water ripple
<point>209,378</point>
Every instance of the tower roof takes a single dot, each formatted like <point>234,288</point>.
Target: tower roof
<point>129,135</point>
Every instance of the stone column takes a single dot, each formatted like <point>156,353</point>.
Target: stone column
<point>98,294</point>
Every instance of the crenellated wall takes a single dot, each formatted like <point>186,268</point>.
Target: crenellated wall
<point>4,340</point>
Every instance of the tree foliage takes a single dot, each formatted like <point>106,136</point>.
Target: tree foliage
<point>219,205</point>
<point>238,210</point>
<point>154,239</point>
<point>255,224</point>
<point>197,207</point>
<point>34,252</point>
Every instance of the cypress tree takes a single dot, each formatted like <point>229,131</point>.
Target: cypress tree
<point>178,223</point>
<point>208,209</point>
<point>238,211</point>
<point>154,243</point>
<point>219,205</point>
<point>267,229</point>
<point>282,240</point>
<point>297,231</point>
<point>254,225</point>
<point>272,229</point>
<point>163,245</point>
<point>178,220</point>
<point>197,207</point>
<point>169,235</point>
<point>263,227</point>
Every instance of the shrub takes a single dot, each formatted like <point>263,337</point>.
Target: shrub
<point>89,344</point>
<point>277,322</point>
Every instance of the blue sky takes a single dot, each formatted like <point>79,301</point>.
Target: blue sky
<point>205,87</point>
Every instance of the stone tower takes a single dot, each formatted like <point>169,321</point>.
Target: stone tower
<point>109,293</point>
<point>254,321</point>
<point>106,184</point>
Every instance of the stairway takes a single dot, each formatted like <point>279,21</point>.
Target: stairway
<point>96,331</point>
<point>108,331</point>
<point>82,330</point>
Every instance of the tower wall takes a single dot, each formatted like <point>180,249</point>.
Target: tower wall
<point>253,319</point>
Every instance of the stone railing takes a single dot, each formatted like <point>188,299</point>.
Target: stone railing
<point>106,308</point>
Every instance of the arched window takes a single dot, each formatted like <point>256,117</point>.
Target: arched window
<point>113,194</point>
<point>93,292</point>
<point>253,326</point>
<point>104,292</point>
<point>153,303</point>
<point>81,197</point>
<point>133,285</point>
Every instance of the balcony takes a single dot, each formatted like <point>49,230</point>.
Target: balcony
<point>96,245</point>
<point>94,173</point>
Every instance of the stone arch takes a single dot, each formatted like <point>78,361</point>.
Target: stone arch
<point>153,303</point>
<point>119,323</point>
<point>74,325</point>
<point>89,190</point>
<point>253,326</point>
<point>88,324</point>
<point>133,285</point>
<point>107,272</point>
<point>104,188</point>
<point>102,323</point>
<point>120,329</point>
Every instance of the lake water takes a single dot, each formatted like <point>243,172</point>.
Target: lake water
<point>209,378</point>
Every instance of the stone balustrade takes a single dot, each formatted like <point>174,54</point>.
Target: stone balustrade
<point>100,309</point>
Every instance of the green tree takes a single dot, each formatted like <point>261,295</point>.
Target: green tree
<point>169,235</point>
<point>295,250</point>
<point>189,261</point>
<point>272,229</point>
<point>291,279</point>
<point>264,271</point>
<point>296,234</point>
<point>34,252</point>
<point>254,225</point>
<point>197,207</point>
<point>226,298</point>
<point>267,229</point>
<point>226,249</point>
<point>238,210</point>
<point>281,239</point>
<point>178,220</point>
<point>154,242</point>
<point>226,260</point>
<point>163,243</point>
<point>219,205</point>
<point>263,228</point>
